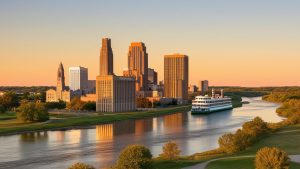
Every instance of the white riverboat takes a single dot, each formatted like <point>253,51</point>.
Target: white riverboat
<point>206,104</point>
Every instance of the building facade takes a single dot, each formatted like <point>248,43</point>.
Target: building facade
<point>113,93</point>
<point>78,78</point>
<point>176,77</point>
<point>203,86</point>
<point>152,76</point>
<point>138,65</point>
<point>61,93</point>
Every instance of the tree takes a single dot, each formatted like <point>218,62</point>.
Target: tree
<point>143,102</point>
<point>2,109</point>
<point>56,105</point>
<point>75,104</point>
<point>9,100</point>
<point>81,166</point>
<point>271,158</point>
<point>89,106</point>
<point>255,127</point>
<point>135,157</point>
<point>170,151</point>
<point>32,112</point>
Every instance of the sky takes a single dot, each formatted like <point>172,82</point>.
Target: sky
<point>229,42</point>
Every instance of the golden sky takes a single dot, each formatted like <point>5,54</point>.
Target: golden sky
<point>234,44</point>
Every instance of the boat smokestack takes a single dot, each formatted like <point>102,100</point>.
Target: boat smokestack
<point>222,93</point>
<point>213,93</point>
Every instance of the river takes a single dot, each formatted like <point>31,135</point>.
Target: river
<point>100,146</point>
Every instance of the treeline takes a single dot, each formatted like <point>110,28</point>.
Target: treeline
<point>25,89</point>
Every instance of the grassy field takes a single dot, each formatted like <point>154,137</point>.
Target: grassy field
<point>12,126</point>
<point>287,139</point>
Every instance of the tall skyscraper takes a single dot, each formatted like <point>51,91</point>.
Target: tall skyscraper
<point>114,93</point>
<point>106,58</point>
<point>78,78</point>
<point>203,86</point>
<point>176,77</point>
<point>60,86</point>
<point>138,65</point>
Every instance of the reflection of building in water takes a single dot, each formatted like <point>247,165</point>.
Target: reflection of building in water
<point>60,135</point>
<point>74,136</point>
<point>174,120</point>
<point>108,131</point>
<point>143,125</point>
<point>104,132</point>
<point>28,137</point>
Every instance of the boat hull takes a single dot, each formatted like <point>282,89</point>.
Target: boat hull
<point>211,110</point>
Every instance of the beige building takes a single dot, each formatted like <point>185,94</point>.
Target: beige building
<point>60,93</point>
<point>176,77</point>
<point>114,93</point>
<point>89,98</point>
<point>138,65</point>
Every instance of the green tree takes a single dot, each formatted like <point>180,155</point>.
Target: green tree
<point>89,106</point>
<point>271,158</point>
<point>81,166</point>
<point>170,151</point>
<point>75,104</point>
<point>9,100</point>
<point>32,112</point>
<point>2,109</point>
<point>56,105</point>
<point>135,157</point>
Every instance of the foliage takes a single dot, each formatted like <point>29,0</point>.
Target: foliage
<point>243,138</point>
<point>255,127</point>
<point>32,112</point>
<point>135,157</point>
<point>271,158</point>
<point>56,105</point>
<point>75,104</point>
<point>91,106</point>
<point>81,166</point>
<point>9,100</point>
<point>2,109</point>
<point>170,151</point>
<point>142,102</point>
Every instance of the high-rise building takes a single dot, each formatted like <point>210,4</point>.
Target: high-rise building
<point>176,77</point>
<point>106,58</point>
<point>203,86</point>
<point>114,93</point>
<point>138,65</point>
<point>78,78</point>
<point>152,76</point>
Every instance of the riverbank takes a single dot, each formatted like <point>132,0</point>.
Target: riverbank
<point>9,126</point>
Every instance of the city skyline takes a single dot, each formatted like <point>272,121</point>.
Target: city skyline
<point>225,42</point>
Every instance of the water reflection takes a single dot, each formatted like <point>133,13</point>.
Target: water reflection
<point>101,145</point>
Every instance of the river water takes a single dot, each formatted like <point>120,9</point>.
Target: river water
<point>100,146</point>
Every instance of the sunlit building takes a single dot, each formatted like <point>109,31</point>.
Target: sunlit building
<point>61,93</point>
<point>78,78</point>
<point>138,65</point>
<point>114,93</point>
<point>176,77</point>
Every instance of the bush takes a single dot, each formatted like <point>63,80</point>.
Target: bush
<point>255,127</point>
<point>170,151</point>
<point>81,166</point>
<point>56,105</point>
<point>75,104</point>
<point>135,157</point>
<point>9,100</point>
<point>2,109</point>
<point>32,112</point>
<point>89,106</point>
<point>271,158</point>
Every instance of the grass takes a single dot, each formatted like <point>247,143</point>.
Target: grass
<point>286,138</point>
<point>13,127</point>
<point>7,116</point>
<point>240,163</point>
